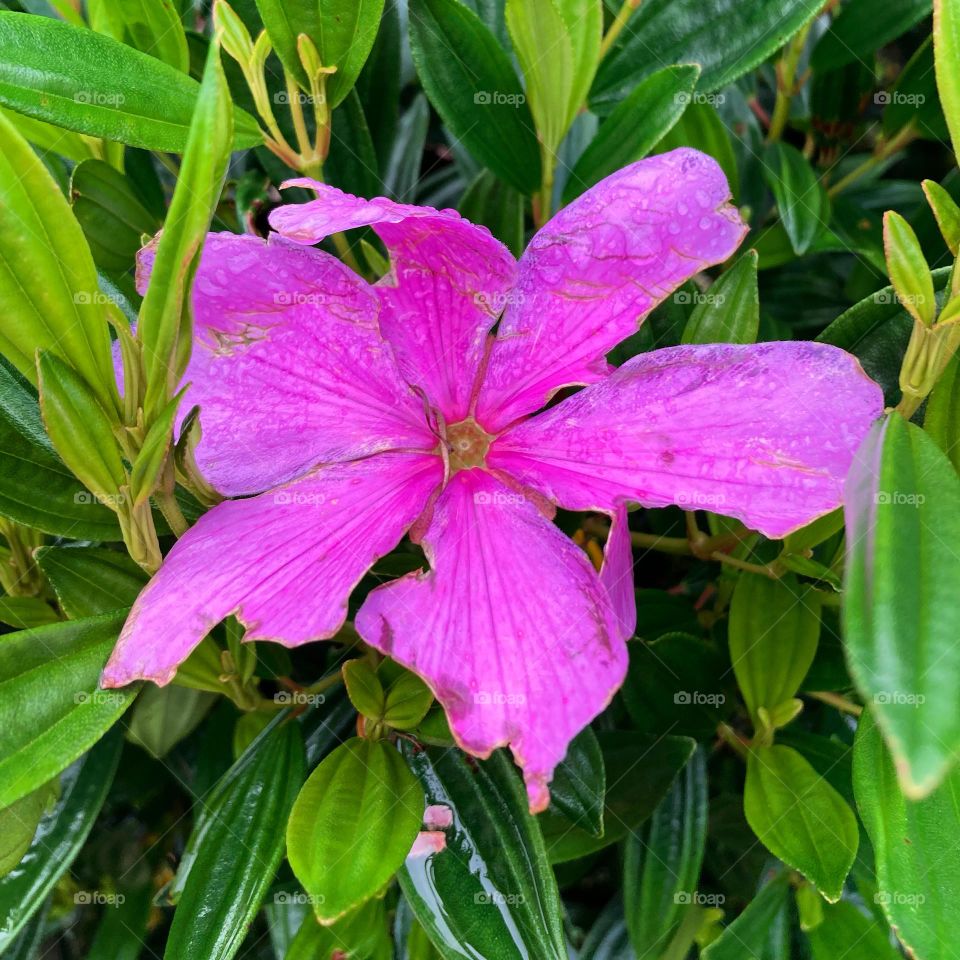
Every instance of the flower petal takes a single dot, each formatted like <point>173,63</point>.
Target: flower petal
<point>590,276</point>
<point>616,574</point>
<point>288,366</point>
<point>448,283</point>
<point>765,433</point>
<point>511,628</point>
<point>284,562</point>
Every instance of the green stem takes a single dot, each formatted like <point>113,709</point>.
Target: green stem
<point>616,28</point>
<point>786,84</point>
<point>543,202</point>
<point>886,149</point>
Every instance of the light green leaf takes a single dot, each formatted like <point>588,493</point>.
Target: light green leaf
<point>900,618</point>
<point>846,931</point>
<point>942,417</point>
<point>152,26</point>
<point>946,212</point>
<point>946,52</point>
<point>800,818</point>
<point>18,824</point>
<point>908,268</point>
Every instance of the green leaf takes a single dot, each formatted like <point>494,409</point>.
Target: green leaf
<point>862,28</point>
<point>51,709</point>
<point>908,268</point>
<point>942,417</point>
<point>163,716</point>
<point>343,32</point>
<point>914,100</point>
<point>800,818</point>
<point>638,123</point>
<point>557,43</point>
<point>111,215</point>
<point>61,834</point>
<point>476,92</point>
<point>80,429</point>
<point>490,892</point>
<point>353,824</point>
<point>24,613</point>
<point>36,489</point>
<point>402,171</point>
<point>364,688</point>
<point>380,80</point>
<point>352,163</point>
<point>845,931</point>
<point>407,701</point>
<point>773,634</point>
<point>123,932</point>
<point>497,206</point>
<point>700,127</point>
<point>730,310</point>
<point>726,37</point>
<point>661,867</point>
<point>747,937</point>
<point>876,330</point>
<point>900,619</point>
<point>152,26</point>
<point>580,783</point>
<point>918,878</point>
<point>358,934</point>
<point>152,456</point>
<point>640,770</point>
<point>946,212</point>
<point>84,81</point>
<point>89,581</point>
<point>801,199</point>
<point>51,139</point>
<point>236,847</point>
<point>946,51</point>
<point>48,281</point>
<point>18,824</point>
<point>164,324</point>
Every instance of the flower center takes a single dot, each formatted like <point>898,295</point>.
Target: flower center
<point>468,443</point>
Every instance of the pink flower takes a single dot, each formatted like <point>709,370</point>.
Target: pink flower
<point>357,413</point>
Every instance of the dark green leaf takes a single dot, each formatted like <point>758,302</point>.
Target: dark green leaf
<point>729,312</point>
<point>942,417</point>
<point>352,163</point>
<point>746,938</point>
<point>579,784</point>
<point>91,580</point>
<point>498,207</point>
<point>801,199</point>
<point>900,618</point>
<point>402,172</point>
<point>477,91</point>
<point>163,716</point>
<point>846,931</point>
<point>490,893</point>
<point>84,81</point>
<point>700,127</point>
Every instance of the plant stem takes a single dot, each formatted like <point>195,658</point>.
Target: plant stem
<point>620,21</point>
<point>835,700</point>
<point>885,150</point>
<point>786,84</point>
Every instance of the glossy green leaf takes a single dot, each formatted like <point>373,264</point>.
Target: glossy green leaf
<point>152,26</point>
<point>51,709</point>
<point>163,716</point>
<point>947,213</point>
<point>608,938</point>
<point>946,48</point>
<point>357,935</point>
<point>477,92</point>
<point>557,43</point>
<point>164,326</point>
<point>918,878</point>
<point>497,206</point>
<point>729,312</point>
<point>402,172</point>
<point>343,32</point>
<point>48,281</point>
<point>407,701</point>
<point>89,581</point>
<point>700,127</point>
<point>746,938</point>
<point>846,931</point>
<point>18,824</point>
<point>876,330</point>
<point>36,488</point>
<point>84,81</point>
<point>639,771</point>
<point>353,824</point>
<point>773,634</point>
<point>914,101</point>
<point>726,37</point>
<point>637,124</point>
<point>364,687</point>
<point>236,847</point>
<point>661,866</point>
<point>352,163</point>
<point>80,429</point>
<point>380,80</point>
<point>942,417</point>
<point>61,834</point>
<point>801,200</point>
<point>800,818</point>
<point>24,613</point>
<point>862,27</point>
<point>111,215</point>
<point>579,784</point>
<point>900,619</point>
<point>908,268</point>
<point>490,892</point>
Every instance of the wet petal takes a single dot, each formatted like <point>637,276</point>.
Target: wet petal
<point>288,366</point>
<point>511,627</point>
<point>765,433</point>
<point>284,562</point>
<point>448,283</point>
<point>616,574</point>
<point>590,276</point>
